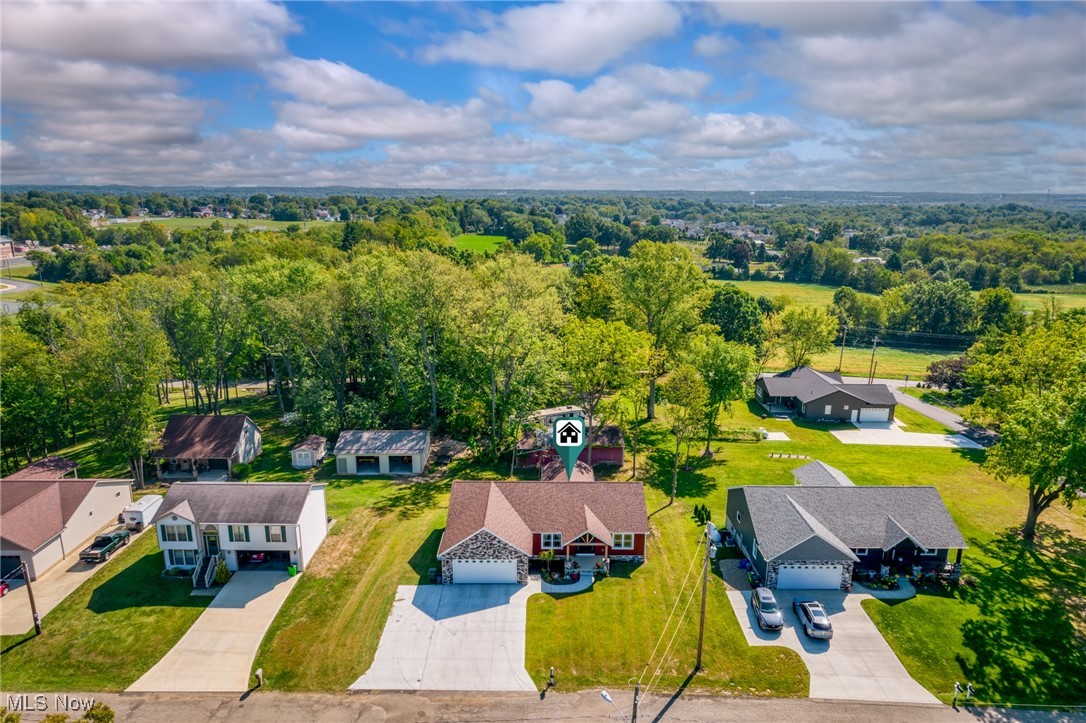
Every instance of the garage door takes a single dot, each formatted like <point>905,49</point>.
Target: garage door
<point>9,564</point>
<point>875,414</point>
<point>484,571</point>
<point>809,577</point>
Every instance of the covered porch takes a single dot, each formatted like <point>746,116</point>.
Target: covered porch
<point>203,470</point>
<point>910,560</point>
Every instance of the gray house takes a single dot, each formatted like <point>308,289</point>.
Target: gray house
<point>811,394</point>
<point>814,536</point>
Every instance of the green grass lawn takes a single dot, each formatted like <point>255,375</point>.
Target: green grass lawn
<point>936,397</point>
<point>478,244</point>
<point>107,633</point>
<point>26,273</point>
<point>914,421</point>
<point>892,363</point>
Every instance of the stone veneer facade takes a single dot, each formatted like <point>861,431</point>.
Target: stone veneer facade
<point>483,546</point>
<point>846,570</point>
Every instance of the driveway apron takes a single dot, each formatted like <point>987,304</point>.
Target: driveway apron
<point>216,654</point>
<point>453,637</point>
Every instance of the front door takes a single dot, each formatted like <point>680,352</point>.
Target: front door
<point>584,549</point>
<point>211,543</point>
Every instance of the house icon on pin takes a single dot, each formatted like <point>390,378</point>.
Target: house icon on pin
<point>569,434</point>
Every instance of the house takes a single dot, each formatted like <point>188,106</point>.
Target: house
<point>816,537</point>
<point>275,523</point>
<point>382,451</point>
<point>555,471</point>
<point>495,528</point>
<point>820,474</point>
<point>815,395</point>
<point>206,446</point>
<point>546,417</point>
<point>309,452</point>
<point>535,448</point>
<point>47,468</point>
<point>44,520</point>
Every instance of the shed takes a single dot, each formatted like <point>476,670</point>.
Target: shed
<point>310,452</point>
<point>382,451</point>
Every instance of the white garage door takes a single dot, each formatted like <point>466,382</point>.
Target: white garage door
<point>485,571</point>
<point>809,577</point>
<point>875,414</point>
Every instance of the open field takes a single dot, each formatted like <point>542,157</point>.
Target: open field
<point>892,363</point>
<point>107,633</point>
<point>478,244</point>
<point>934,396</point>
<point>30,274</point>
<point>817,294</point>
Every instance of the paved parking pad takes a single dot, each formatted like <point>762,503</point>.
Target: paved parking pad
<point>857,664</point>
<point>216,654</point>
<point>453,637</point>
<point>896,437</point>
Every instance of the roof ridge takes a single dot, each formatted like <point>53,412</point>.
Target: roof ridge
<point>47,484</point>
<point>891,518</point>
<point>819,529</point>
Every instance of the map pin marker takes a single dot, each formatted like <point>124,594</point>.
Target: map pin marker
<point>569,439</point>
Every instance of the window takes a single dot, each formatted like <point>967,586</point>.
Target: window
<point>176,533</point>
<point>275,533</point>
<point>754,549</point>
<point>238,533</point>
<point>552,540</point>
<point>183,558</point>
<point>738,516</point>
<point>623,541</point>
<point>846,407</point>
<point>861,551</point>
<point>930,553</point>
<point>829,409</point>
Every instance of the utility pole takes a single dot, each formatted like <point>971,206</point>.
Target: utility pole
<point>637,694</point>
<point>844,335</point>
<point>30,594</point>
<point>871,372</point>
<point>704,592</point>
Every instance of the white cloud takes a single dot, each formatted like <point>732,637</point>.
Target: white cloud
<point>961,65</point>
<point>159,34</point>
<point>680,82</point>
<point>711,46</point>
<point>332,84</point>
<point>508,149</point>
<point>818,17</point>
<point>569,38</point>
<point>727,135</point>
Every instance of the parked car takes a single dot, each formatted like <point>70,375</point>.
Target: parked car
<point>104,546</point>
<point>813,617</point>
<point>766,610</point>
<point>258,557</point>
<point>4,587</point>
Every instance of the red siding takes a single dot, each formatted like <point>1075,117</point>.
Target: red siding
<point>638,547</point>
<point>600,455</point>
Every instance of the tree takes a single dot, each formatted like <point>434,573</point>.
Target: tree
<point>662,291</point>
<point>829,230</point>
<point>726,368</point>
<point>582,225</point>
<point>602,358</point>
<point>631,408</point>
<point>736,314</point>
<point>538,246</point>
<point>1067,273</point>
<point>1043,438</point>
<point>805,331</point>
<point>998,309</point>
<point>688,397</point>
<point>948,373</point>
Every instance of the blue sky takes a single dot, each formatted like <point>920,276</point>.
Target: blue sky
<point>639,95</point>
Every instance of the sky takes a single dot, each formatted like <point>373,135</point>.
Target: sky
<point>852,96</point>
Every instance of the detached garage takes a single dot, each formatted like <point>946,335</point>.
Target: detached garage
<point>382,451</point>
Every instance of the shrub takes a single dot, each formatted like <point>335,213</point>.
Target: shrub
<point>241,471</point>
<point>99,713</point>
<point>222,573</point>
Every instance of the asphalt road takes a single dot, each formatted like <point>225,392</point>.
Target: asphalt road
<point>586,706</point>
<point>10,286</point>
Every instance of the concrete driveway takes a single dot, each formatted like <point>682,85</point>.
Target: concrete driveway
<point>453,637</point>
<point>49,590</point>
<point>216,654</point>
<point>857,664</point>
<point>893,435</point>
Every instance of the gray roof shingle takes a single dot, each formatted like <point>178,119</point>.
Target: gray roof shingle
<point>383,441</point>
<point>238,503</point>
<point>876,517</point>
<point>820,474</point>
<point>807,385</point>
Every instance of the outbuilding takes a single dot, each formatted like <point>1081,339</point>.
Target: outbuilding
<point>310,452</point>
<point>382,451</point>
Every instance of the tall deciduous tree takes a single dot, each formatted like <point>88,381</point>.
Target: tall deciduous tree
<point>727,369</point>
<point>736,314</point>
<point>687,396</point>
<point>602,358</point>
<point>805,331</point>
<point>663,292</point>
<point>1043,438</point>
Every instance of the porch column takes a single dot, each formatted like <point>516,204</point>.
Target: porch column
<point>158,469</point>
<point>230,468</point>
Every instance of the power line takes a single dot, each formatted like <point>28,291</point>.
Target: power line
<point>658,674</point>
<point>673,608</point>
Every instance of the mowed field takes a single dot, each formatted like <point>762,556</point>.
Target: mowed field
<point>477,243</point>
<point>816,294</point>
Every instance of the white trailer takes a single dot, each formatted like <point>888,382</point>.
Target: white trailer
<point>140,513</point>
